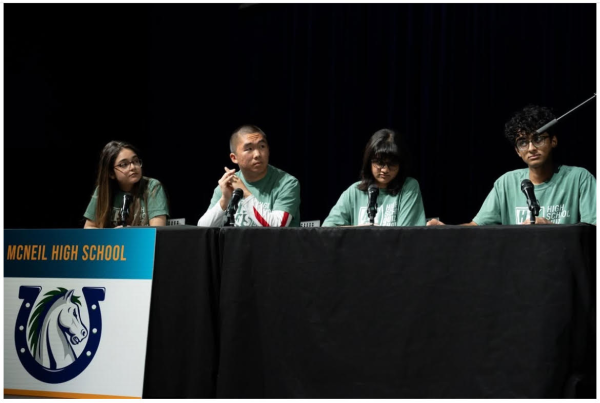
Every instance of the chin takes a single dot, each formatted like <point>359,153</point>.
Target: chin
<point>535,164</point>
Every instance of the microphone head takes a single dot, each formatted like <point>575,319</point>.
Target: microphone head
<point>373,188</point>
<point>124,214</point>
<point>526,184</point>
<point>127,198</point>
<point>238,192</point>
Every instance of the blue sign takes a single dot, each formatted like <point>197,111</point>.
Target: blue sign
<point>56,282</point>
<point>80,253</point>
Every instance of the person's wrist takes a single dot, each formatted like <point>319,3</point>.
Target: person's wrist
<point>223,203</point>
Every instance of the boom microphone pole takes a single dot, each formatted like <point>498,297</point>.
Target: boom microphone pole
<point>553,122</point>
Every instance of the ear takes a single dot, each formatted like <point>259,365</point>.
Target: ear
<point>233,158</point>
<point>554,141</point>
<point>517,150</point>
<point>68,295</point>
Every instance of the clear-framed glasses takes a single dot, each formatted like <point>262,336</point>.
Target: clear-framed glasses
<point>123,165</point>
<point>536,140</point>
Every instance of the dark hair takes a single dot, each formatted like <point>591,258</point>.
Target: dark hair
<point>244,129</point>
<point>526,121</point>
<point>385,144</point>
<point>107,187</point>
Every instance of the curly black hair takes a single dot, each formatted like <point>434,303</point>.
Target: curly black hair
<point>526,121</point>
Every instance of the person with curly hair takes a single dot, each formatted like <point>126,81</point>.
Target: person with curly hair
<point>566,194</point>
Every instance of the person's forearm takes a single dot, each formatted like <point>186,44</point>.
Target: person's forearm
<point>89,225</point>
<point>263,217</point>
<point>158,221</point>
<point>213,217</point>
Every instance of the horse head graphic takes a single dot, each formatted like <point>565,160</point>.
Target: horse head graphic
<point>55,326</point>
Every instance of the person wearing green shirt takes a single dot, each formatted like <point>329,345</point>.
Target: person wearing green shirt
<point>120,174</point>
<point>271,197</point>
<point>399,201</point>
<point>566,194</point>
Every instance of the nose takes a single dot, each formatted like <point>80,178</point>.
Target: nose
<point>530,146</point>
<point>83,333</point>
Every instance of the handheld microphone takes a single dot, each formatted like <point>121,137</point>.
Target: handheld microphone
<point>232,207</point>
<point>373,192</point>
<point>124,213</point>
<point>532,203</point>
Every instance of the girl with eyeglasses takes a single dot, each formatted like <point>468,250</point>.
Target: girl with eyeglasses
<point>399,201</point>
<point>120,176</point>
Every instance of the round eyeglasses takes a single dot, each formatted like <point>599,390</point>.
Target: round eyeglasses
<point>537,141</point>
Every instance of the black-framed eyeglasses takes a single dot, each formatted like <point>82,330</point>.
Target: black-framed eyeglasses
<point>537,141</point>
<point>380,164</point>
<point>125,164</point>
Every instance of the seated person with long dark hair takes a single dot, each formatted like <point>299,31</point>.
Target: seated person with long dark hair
<point>399,200</point>
<point>120,173</point>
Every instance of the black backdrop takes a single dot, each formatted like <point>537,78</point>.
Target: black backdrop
<point>319,79</point>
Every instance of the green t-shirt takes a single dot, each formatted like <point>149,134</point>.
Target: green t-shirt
<point>569,197</point>
<point>157,204</point>
<point>404,209</point>
<point>277,191</point>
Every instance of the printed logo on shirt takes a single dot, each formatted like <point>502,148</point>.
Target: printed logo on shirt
<point>554,213</point>
<point>384,218</point>
<point>243,219</point>
<point>521,214</point>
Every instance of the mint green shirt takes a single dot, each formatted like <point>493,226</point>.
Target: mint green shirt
<point>157,204</point>
<point>404,209</point>
<point>569,197</point>
<point>277,191</point>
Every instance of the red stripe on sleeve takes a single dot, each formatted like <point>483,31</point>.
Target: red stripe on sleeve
<point>260,219</point>
<point>286,215</point>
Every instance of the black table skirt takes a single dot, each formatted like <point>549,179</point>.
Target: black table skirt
<point>444,312</point>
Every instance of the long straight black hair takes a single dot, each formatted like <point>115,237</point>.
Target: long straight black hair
<point>385,144</point>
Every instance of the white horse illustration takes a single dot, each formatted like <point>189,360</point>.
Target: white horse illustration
<point>61,328</point>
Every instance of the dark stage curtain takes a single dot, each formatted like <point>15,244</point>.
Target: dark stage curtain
<point>323,78</point>
<point>319,79</point>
